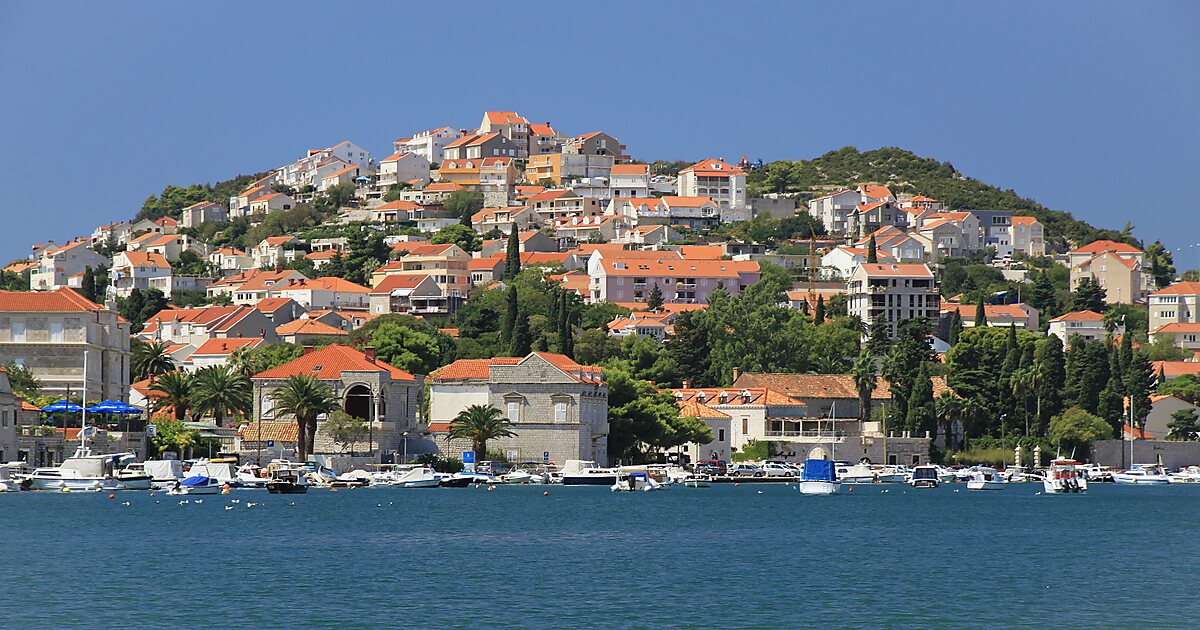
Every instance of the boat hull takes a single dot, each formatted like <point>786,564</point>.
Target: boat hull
<point>286,487</point>
<point>589,480</point>
<point>419,483</point>
<point>1050,487</point>
<point>1142,480</point>
<point>455,482</point>
<point>67,484</point>
<point>819,488</point>
<point>985,485</point>
<point>924,483</point>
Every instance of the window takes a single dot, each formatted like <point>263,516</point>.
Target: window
<point>916,460</point>
<point>18,331</point>
<point>56,332</point>
<point>720,435</point>
<point>560,412</point>
<point>514,411</point>
<point>745,425</point>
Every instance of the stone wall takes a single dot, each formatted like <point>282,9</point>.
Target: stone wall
<point>1115,453</point>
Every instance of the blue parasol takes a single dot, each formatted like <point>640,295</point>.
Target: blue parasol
<point>126,408</point>
<point>107,406</point>
<point>62,406</point>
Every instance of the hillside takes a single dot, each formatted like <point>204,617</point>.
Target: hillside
<point>907,172</point>
<point>175,198</point>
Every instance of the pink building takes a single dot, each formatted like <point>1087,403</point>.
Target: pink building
<point>631,276</point>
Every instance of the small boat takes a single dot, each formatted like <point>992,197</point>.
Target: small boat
<point>695,480</point>
<point>1142,475</point>
<point>133,479</point>
<point>1064,477</point>
<point>418,477</point>
<point>1191,474</point>
<point>819,477</point>
<point>925,476</point>
<point>985,478</point>
<point>866,472</point>
<point>7,483</point>
<point>286,478</point>
<point>57,478</point>
<point>197,484</point>
<point>457,480</point>
<point>578,472</point>
<point>251,476</point>
<point>1096,473</point>
<point>635,482</point>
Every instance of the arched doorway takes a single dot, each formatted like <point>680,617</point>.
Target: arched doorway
<point>818,453</point>
<point>358,402</point>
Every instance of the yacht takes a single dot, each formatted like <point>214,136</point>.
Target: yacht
<point>457,480</point>
<point>251,476</point>
<point>1096,473</point>
<point>1142,475</point>
<point>819,477</point>
<point>635,482</point>
<point>57,478</point>
<point>196,484</point>
<point>418,477</point>
<point>985,478</point>
<point>286,478</point>
<point>1064,477</point>
<point>925,476</point>
<point>866,472</point>
<point>1191,474</point>
<point>7,482</point>
<point>578,472</point>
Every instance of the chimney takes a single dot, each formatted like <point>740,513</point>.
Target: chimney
<point>737,371</point>
<point>687,384</point>
<point>370,352</point>
<point>307,350</point>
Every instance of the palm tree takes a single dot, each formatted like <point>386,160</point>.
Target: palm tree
<point>174,389</point>
<point>949,409</point>
<point>305,398</point>
<point>247,361</point>
<point>480,423</point>
<point>221,391</point>
<point>865,382</point>
<point>150,359</point>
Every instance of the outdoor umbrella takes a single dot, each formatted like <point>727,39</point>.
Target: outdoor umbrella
<point>107,406</point>
<point>62,406</point>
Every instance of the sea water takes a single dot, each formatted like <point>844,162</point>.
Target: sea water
<point>747,556</point>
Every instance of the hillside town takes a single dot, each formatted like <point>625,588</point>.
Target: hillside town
<point>610,308</point>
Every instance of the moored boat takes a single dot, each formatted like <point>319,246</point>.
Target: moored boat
<point>196,484</point>
<point>819,477</point>
<point>286,478</point>
<point>417,477</point>
<point>925,476</point>
<point>1142,475</point>
<point>578,472</point>
<point>986,478</point>
<point>1064,477</point>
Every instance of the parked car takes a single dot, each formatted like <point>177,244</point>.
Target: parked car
<point>745,470</point>
<point>713,466</point>
<point>779,469</point>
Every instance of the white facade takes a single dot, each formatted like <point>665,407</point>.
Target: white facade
<point>428,144</point>
<point>895,291</point>
<point>835,210</point>
<point>402,167</point>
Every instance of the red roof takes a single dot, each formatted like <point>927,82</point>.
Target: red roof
<point>480,368</point>
<point>398,281</point>
<point>1099,247</point>
<point>59,300</point>
<point>1080,316</point>
<point>309,327</point>
<point>218,347</point>
<point>1180,288</point>
<point>713,168</point>
<point>329,362</point>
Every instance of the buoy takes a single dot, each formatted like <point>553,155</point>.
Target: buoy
<point>66,489</point>
<point>546,493</point>
<point>490,488</point>
<point>851,489</point>
<point>737,484</point>
<point>760,491</point>
<point>111,496</point>
<point>225,490</point>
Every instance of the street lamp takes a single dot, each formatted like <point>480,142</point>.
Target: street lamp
<point>405,447</point>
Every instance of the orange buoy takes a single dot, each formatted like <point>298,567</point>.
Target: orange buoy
<point>112,496</point>
<point>546,493</point>
<point>851,489</point>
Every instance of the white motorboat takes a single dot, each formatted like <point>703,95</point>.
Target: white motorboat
<point>636,482</point>
<point>252,476</point>
<point>985,478</point>
<point>1096,473</point>
<point>57,478</point>
<point>925,476</point>
<point>819,477</point>
<point>1191,474</point>
<point>1064,477</point>
<point>695,480</point>
<point>286,477</point>
<point>133,479</point>
<point>197,484</point>
<point>417,477</point>
<point>7,483</point>
<point>524,477</point>
<point>164,473</point>
<point>1142,475</point>
<point>221,470</point>
<point>866,472</point>
<point>578,472</point>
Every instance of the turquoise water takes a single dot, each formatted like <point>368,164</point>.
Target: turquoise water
<point>731,557</point>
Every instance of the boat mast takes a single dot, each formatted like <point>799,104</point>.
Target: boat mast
<point>83,411</point>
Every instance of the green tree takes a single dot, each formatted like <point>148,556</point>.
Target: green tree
<point>689,348</point>
<point>1161,264</point>
<point>865,382</point>
<point>304,397</point>
<point>221,391</point>
<point>1184,425</point>
<point>410,347</point>
<point>345,429</point>
<point>173,390</point>
<point>981,313</point>
<point>1163,348</point>
<point>23,381</point>
<point>1076,428</point>
<point>1050,374</point>
<point>1184,387</point>
<point>954,328</point>
<point>252,361</point>
<point>522,340</point>
<point>172,435</point>
<point>511,312</point>
<point>150,358</point>
<point>872,251</point>
<point>464,204</point>
<point>879,338</point>
<point>922,412</point>
<point>1139,384</point>
<point>950,409</point>
<point>1043,297</point>
<point>654,300</point>
<point>819,312</point>
<point>480,424</point>
<point>1088,296</point>
<point>87,284</point>
<point>463,236</point>
<point>512,257</point>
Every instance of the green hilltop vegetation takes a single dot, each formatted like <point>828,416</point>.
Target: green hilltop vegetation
<point>906,172</point>
<point>172,199</point>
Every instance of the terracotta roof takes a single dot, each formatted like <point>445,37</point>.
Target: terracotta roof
<point>275,241</point>
<point>443,187</point>
<point>324,283</point>
<point>463,369</point>
<point>823,385</point>
<point>548,195</point>
<point>676,267</point>
<point>399,281</point>
<point>1180,288</point>
<point>713,168</point>
<point>735,396</point>
<point>309,327</point>
<point>967,311</point>
<point>1017,220</point>
<point>1177,327</point>
<point>276,430</point>
<point>897,269</point>
<point>701,252</point>
<point>480,368</point>
<point>541,129</point>
<point>221,347</point>
<point>439,427</point>
<point>325,254</point>
<point>422,249</point>
<point>630,169</point>
<point>505,118</point>
<point>145,259</point>
<point>864,208</point>
<point>876,192</point>
<point>1102,246</point>
<point>61,300</point>
<point>329,362</point>
<point>480,264</point>
<point>1080,316</point>
<point>544,258</point>
<point>397,205</point>
<point>696,409</point>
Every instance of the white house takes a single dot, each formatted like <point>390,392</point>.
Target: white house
<point>402,167</point>
<point>629,180</point>
<point>58,265</point>
<point>841,261</point>
<point>197,213</point>
<point>835,209</point>
<point>140,270</point>
<point>1088,325</point>
<point>716,180</point>
<point>428,144</point>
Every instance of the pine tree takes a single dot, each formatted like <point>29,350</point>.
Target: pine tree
<point>87,286</point>
<point>879,338</point>
<point>1042,298</point>
<point>819,316</point>
<point>654,301</point>
<point>980,314</point>
<point>1139,384</point>
<point>509,320</point>
<point>872,251</point>
<point>1088,296</point>
<point>954,329</point>
<point>521,339</point>
<point>512,259</point>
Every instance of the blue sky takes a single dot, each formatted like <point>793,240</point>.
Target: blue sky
<point>1089,107</point>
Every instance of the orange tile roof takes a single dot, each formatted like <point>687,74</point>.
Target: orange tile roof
<point>967,311</point>
<point>876,192</point>
<point>701,252</point>
<point>1180,288</point>
<point>265,430</point>
<point>275,241</point>
<point>398,281</point>
<point>1080,316</point>
<point>1177,327</point>
<point>330,362</point>
<point>1176,368</point>
<point>713,168</point>
<point>630,169</point>
<point>147,259</point>
<point>423,249</point>
<point>443,187</point>
<point>480,368</point>
<point>864,208</point>
<point>270,305</point>
<point>309,327</point>
<point>1101,246</point>
<point>439,427</point>
<point>62,300</point>
<point>897,269</point>
<point>505,118</point>
<point>823,385</point>
<point>480,264</point>
<point>222,347</point>
<point>687,268</point>
<point>734,396</point>
<point>696,409</point>
<point>1019,220</point>
<point>21,267</point>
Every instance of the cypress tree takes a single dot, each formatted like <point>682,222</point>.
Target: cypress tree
<point>980,314</point>
<point>87,286</point>
<point>1125,354</point>
<point>922,413</point>
<point>655,300</point>
<point>1050,366</point>
<point>512,261</point>
<point>1139,384</point>
<point>954,329</point>
<point>872,251</point>
<point>521,339</point>
<point>819,317</point>
<point>1043,298</point>
<point>1111,405</point>
<point>879,338</point>
<point>509,320</point>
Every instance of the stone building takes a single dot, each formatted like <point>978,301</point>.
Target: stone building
<point>49,332</point>
<point>385,396</point>
<point>8,418</point>
<point>558,407</point>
